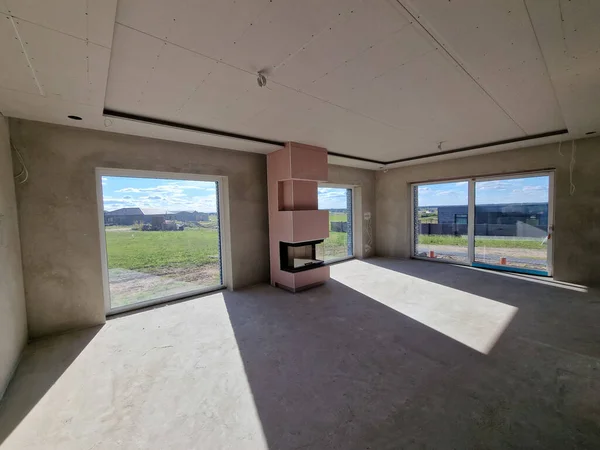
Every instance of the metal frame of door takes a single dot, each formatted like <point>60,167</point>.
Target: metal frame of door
<point>471,220</point>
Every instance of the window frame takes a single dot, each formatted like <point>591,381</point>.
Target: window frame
<point>354,220</point>
<point>224,233</point>
<point>471,215</point>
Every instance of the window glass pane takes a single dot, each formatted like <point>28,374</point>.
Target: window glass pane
<point>440,218</point>
<point>162,237</point>
<point>339,243</point>
<point>511,222</point>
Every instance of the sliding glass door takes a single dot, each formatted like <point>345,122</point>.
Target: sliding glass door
<point>503,223</point>
<point>441,221</point>
<point>511,223</point>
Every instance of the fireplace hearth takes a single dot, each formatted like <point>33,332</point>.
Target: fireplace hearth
<point>298,256</point>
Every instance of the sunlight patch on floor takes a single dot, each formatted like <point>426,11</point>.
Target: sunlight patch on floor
<point>170,377</point>
<point>472,320</point>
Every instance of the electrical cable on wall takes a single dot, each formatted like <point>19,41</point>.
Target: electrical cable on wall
<point>24,170</point>
<point>369,243</point>
<point>571,167</point>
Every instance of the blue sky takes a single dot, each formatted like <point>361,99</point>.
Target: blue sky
<point>172,195</point>
<point>180,195</point>
<point>332,198</point>
<point>518,190</point>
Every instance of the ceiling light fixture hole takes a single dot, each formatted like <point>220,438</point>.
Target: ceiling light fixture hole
<point>74,117</point>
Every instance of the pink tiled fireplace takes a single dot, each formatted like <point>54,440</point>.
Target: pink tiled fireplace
<point>296,225</point>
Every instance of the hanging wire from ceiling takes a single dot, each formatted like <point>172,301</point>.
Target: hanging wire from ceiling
<point>24,170</point>
<point>571,167</point>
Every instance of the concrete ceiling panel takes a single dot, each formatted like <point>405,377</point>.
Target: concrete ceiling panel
<point>431,95</point>
<point>133,56</point>
<point>85,19</point>
<point>569,36</point>
<point>347,37</point>
<point>338,85</point>
<point>66,67</point>
<point>17,74</point>
<point>496,44</point>
<point>167,92</point>
<point>366,78</point>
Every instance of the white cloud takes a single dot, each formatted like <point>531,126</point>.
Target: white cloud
<point>535,188</point>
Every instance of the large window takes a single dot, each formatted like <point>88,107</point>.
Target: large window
<point>339,244</point>
<point>162,238</point>
<point>441,221</point>
<point>502,222</point>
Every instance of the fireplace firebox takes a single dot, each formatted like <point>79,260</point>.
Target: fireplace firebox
<point>299,256</point>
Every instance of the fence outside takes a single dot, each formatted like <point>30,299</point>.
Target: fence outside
<point>520,229</point>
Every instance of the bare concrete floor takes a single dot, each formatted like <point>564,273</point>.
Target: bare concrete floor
<point>389,354</point>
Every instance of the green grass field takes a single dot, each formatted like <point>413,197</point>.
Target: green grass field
<point>152,251</point>
<point>336,245</point>
<point>338,217</point>
<point>461,241</point>
<point>155,251</point>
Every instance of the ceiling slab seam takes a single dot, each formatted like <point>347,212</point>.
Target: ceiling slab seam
<point>414,20</point>
<point>27,58</point>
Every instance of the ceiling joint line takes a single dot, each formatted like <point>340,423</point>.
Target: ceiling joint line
<point>56,31</point>
<point>218,61</point>
<point>537,41</point>
<point>35,78</point>
<point>314,37</point>
<point>451,56</point>
<point>351,111</point>
<point>362,52</point>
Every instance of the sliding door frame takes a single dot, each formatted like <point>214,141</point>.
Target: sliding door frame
<point>471,215</point>
<point>354,221</point>
<point>224,233</point>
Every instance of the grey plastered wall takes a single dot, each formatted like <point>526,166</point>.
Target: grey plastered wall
<point>577,216</point>
<point>59,218</point>
<point>13,324</point>
<point>364,180</point>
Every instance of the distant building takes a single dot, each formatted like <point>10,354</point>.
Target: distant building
<point>130,216</point>
<point>509,219</point>
<point>189,216</point>
<point>501,214</point>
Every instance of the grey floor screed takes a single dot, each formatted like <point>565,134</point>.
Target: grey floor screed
<point>387,355</point>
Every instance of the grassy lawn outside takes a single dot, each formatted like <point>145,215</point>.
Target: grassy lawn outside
<point>153,251</point>
<point>338,217</point>
<point>157,251</point>
<point>461,241</point>
<point>336,245</point>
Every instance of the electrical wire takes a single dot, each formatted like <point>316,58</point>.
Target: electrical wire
<point>559,145</point>
<point>571,167</point>
<point>24,167</point>
<point>369,243</point>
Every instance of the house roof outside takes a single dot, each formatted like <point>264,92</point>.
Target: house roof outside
<point>137,212</point>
